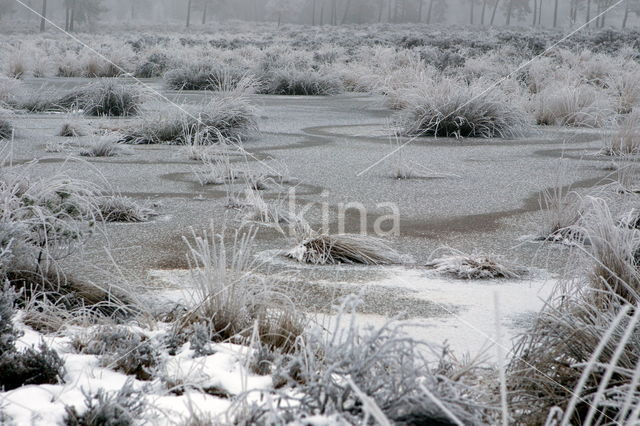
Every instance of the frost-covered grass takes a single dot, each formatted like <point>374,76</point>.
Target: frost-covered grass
<point>204,76</point>
<point>325,249</point>
<point>579,362</point>
<point>473,266</point>
<point>578,106</point>
<point>626,138</point>
<point>6,129</point>
<point>448,108</point>
<point>299,82</point>
<point>226,118</point>
<point>103,98</point>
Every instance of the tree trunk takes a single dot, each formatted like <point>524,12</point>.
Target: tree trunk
<point>484,9</point>
<point>626,14</point>
<point>322,14</point>
<point>346,12</point>
<point>43,18</point>
<point>72,16</point>
<point>535,12</point>
<point>313,13</point>
<point>188,13</point>
<point>204,12</point>
<point>555,15</point>
<point>493,14</point>
<point>509,11</point>
<point>66,19</point>
<point>588,13</point>
<point>540,13</point>
<point>472,11</point>
<point>420,5</point>
<point>430,11</point>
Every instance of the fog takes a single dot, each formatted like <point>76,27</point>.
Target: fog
<point>86,14</point>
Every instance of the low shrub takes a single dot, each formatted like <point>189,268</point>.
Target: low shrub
<point>122,408</point>
<point>122,349</point>
<point>28,367</point>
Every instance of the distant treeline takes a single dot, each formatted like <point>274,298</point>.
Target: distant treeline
<point>82,14</point>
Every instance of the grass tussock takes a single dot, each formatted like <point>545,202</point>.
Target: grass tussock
<point>117,208</point>
<point>294,82</point>
<point>232,301</point>
<point>579,363</point>
<point>105,147</point>
<point>574,106</point>
<point>71,130</point>
<point>474,267</point>
<point>204,76</point>
<point>103,98</point>
<point>6,129</point>
<point>626,139</point>
<point>324,249</point>
<point>224,119</point>
<point>448,108</point>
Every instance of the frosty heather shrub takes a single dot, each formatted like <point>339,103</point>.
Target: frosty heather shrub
<point>448,108</point>
<point>30,367</point>
<point>122,408</point>
<point>27,367</point>
<point>122,349</point>
<point>105,147</point>
<point>155,66</point>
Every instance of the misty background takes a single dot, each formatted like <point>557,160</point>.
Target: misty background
<point>84,15</point>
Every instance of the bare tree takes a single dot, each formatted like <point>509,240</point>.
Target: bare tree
<point>555,15</point>
<point>495,9</point>
<point>188,13</point>
<point>43,17</point>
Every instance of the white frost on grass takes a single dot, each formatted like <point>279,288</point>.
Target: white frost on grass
<point>83,375</point>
